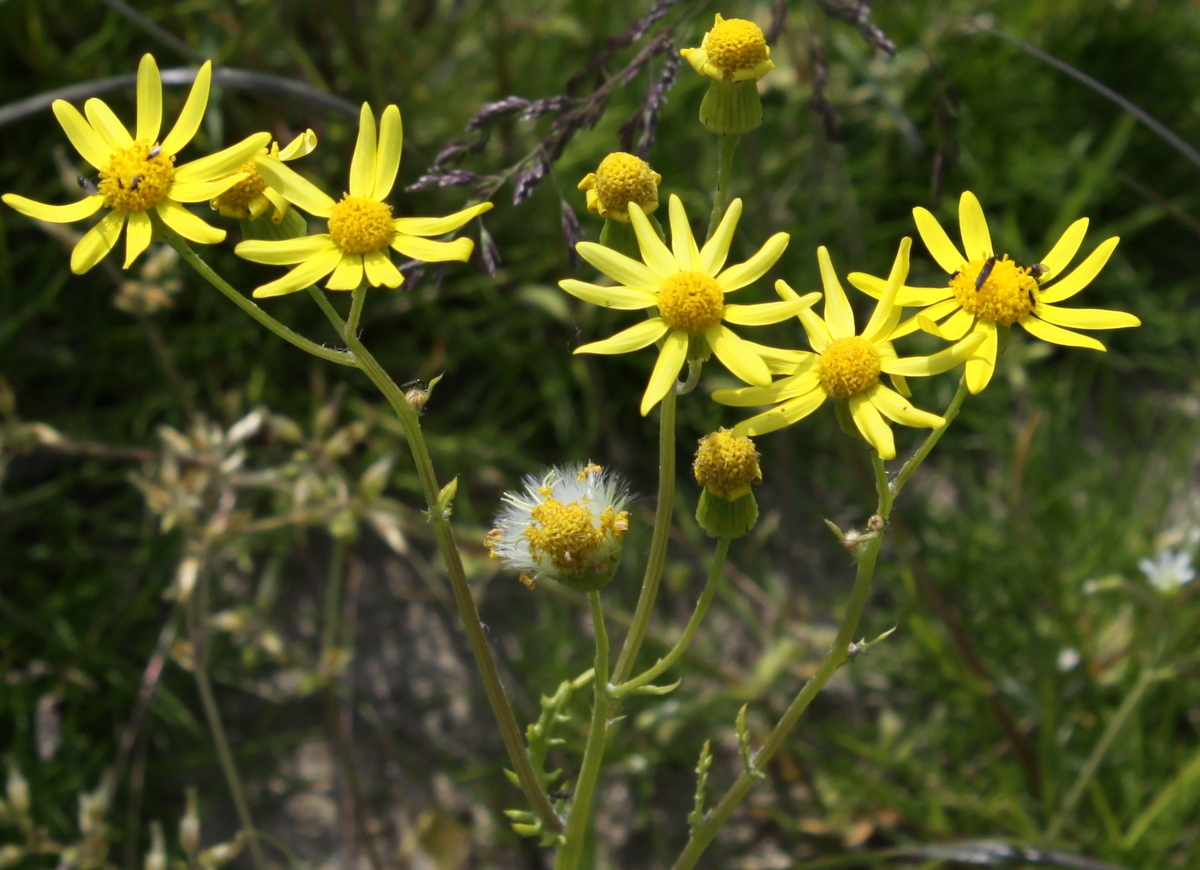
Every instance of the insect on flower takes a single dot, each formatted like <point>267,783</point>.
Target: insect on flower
<point>984,272</point>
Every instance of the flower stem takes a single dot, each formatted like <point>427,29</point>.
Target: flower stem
<point>185,250</point>
<point>199,635</point>
<point>726,145</point>
<point>658,544</point>
<point>689,632</point>
<point>703,833</point>
<point>571,850</point>
<point>906,471</point>
<point>509,730</point>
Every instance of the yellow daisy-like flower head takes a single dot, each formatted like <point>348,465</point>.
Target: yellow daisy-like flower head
<point>735,50</point>
<point>620,179</point>
<point>688,285</point>
<point>988,291</point>
<point>362,230</point>
<point>847,365</point>
<point>137,173</point>
<point>252,196</point>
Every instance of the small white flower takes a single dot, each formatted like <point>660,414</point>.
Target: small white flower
<point>1169,570</point>
<point>566,525</point>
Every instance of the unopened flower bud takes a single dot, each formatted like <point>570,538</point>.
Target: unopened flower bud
<point>189,825</point>
<point>726,466</point>
<point>735,55</point>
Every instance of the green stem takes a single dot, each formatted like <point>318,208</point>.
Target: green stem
<point>906,471</point>
<point>185,250</point>
<point>571,850</point>
<point>689,632</point>
<point>726,145</point>
<point>333,597</point>
<point>509,730</point>
<point>703,833</point>
<point>200,649</point>
<point>1147,678</point>
<point>658,543</point>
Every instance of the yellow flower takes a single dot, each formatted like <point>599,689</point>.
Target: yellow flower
<point>688,287</point>
<point>733,51</point>
<point>361,226</point>
<point>252,196</point>
<point>987,291</point>
<point>847,366</point>
<point>620,179</point>
<point>138,173</point>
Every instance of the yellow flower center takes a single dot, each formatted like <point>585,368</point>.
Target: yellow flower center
<point>727,464</point>
<point>134,180</point>
<point>623,178</point>
<point>235,202</point>
<point>567,534</point>
<point>1002,292</point>
<point>359,225</point>
<point>849,366</point>
<point>691,301</point>
<point>736,43</point>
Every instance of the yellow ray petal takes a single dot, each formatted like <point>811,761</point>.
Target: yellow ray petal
<point>202,191</point>
<point>952,330</point>
<point>816,329</point>
<point>980,368</point>
<point>422,226</point>
<point>780,391</point>
<point>1057,335</point>
<point>655,254</point>
<point>362,164</point>
<point>937,242</point>
<point>839,316</point>
<point>137,236</point>
<point>666,370</point>
<point>899,410</point>
<point>886,315</point>
<point>976,239</point>
<point>634,338</point>
<point>617,266</point>
<point>97,242</point>
<point>782,361</point>
<point>104,122</point>
<point>381,271</point>
<point>305,275</point>
<point>430,251</point>
<point>908,327</point>
<point>298,190</point>
<point>90,144</point>
<point>227,160</point>
<point>744,274</point>
<point>149,100</point>
<point>285,252</point>
<point>187,224</point>
<point>871,425</point>
<point>620,298</point>
<point>906,297</point>
<point>716,249</point>
<point>935,364</point>
<point>387,159</point>
<point>301,146</point>
<point>683,243</point>
<point>1064,249</point>
<point>741,361</point>
<point>277,199</point>
<point>57,214</point>
<point>1086,318</point>
<point>1082,274</point>
<point>765,312</point>
<point>193,112</point>
<point>348,274</point>
<point>782,415</point>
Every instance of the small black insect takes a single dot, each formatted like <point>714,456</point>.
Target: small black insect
<point>1032,299</point>
<point>1037,270</point>
<point>981,278</point>
<point>134,182</point>
<point>154,152</point>
<point>88,185</point>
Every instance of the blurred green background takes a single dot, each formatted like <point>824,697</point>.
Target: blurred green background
<point>1039,689</point>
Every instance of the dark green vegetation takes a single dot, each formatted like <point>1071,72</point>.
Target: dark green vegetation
<point>1037,689</point>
